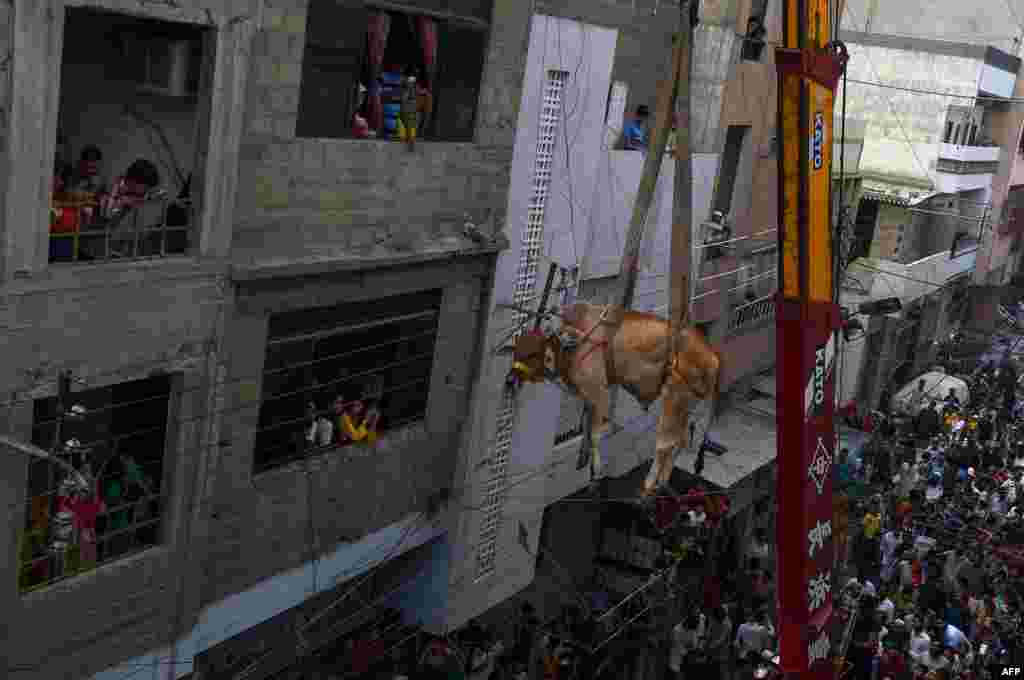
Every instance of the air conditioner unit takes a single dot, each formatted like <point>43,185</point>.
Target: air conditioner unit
<point>163,66</point>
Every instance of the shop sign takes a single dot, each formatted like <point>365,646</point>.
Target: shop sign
<point>819,650</point>
<point>821,466</point>
<point>818,591</point>
<point>818,141</point>
<point>814,393</point>
<point>817,536</point>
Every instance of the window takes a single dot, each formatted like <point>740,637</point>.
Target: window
<point>949,132</point>
<point>754,40</point>
<point>736,138</point>
<point>357,56</point>
<point>115,438</point>
<point>366,364</point>
<point>126,137</point>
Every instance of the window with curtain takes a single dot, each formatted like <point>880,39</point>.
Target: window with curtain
<point>358,58</point>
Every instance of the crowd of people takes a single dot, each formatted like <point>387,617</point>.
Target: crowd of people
<point>936,545</point>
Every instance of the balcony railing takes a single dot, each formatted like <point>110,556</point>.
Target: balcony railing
<point>977,153</point>
<point>966,167</point>
<point>752,313</point>
<point>86,227</point>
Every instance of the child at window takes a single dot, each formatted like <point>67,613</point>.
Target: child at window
<point>410,108</point>
<point>87,175</point>
<point>126,205</point>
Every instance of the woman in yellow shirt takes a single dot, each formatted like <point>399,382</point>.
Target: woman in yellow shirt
<point>359,423</point>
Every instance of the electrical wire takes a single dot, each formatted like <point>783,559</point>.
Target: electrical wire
<point>415,525</point>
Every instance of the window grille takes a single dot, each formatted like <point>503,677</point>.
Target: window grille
<point>83,230</point>
<point>115,438</point>
<point>375,357</point>
<point>523,295</point>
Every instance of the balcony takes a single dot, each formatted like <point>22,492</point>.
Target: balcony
<point>969,154</point>
<point>753,313</point>
<point>86,227</point>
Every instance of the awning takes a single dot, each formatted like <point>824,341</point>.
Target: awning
<point>748,435</point>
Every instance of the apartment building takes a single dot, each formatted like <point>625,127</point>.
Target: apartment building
<point>216,250</point>
<point>937,169</point>
<point>571,196</point>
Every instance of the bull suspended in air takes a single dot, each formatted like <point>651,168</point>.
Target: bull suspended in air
<point>600,346</point>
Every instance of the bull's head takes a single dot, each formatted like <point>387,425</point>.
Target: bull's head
<point>530,357</point>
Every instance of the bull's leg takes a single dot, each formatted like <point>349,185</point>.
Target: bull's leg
<point>598,431</point>
<point>671,437</point>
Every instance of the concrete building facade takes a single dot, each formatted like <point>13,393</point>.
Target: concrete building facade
<point>291,238</point>
<point>940,144</point>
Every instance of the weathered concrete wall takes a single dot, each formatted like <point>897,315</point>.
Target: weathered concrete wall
<point>124,325</point>
<point>117,321</point>
<point>904,129</point>
<point>892,224</point>
<point>985,22</point>
<point>349,198</point>
<point>355,490</point>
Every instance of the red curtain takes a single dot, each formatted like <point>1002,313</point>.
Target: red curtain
<point>378,26</point>
<point>427,29</point>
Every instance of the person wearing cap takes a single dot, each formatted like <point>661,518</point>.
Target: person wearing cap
<point>634,133</point>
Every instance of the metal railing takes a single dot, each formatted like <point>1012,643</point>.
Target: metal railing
<point>85,228</point>
<point>753,312</point>
<point>45,560</point>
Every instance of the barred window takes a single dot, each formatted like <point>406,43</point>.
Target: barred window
<point>338,376</point>
<point>126,138</point>
<point>114,437</point>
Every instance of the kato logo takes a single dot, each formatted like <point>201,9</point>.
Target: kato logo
<point>814,392</point>
<point>818,141</point>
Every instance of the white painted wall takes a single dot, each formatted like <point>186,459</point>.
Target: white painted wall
<point>586,52</point>
<point>951,182</point>
<point>971,154</point>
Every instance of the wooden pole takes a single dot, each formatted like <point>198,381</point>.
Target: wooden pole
<point>682,197</point>
<point>665,106</point>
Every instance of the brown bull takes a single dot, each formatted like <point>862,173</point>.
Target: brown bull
<point>632,350</point>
